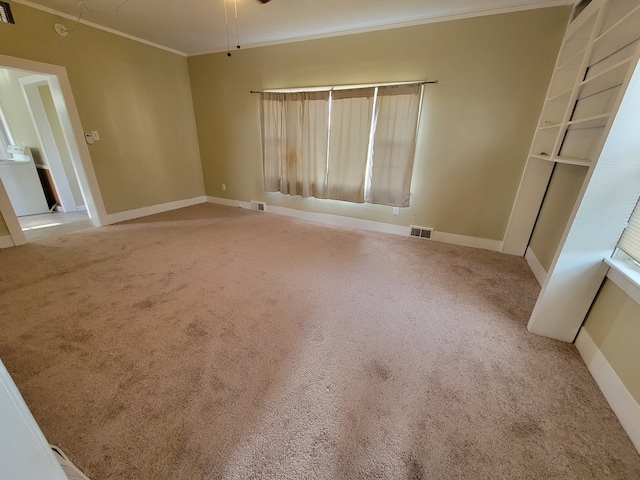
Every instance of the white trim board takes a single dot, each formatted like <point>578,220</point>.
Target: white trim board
<point>535,266</point>
<point>624,276</point>
<point>10,219</point>
<point>466,241</point>
<point>24,451</point>
<point>6,241</point>
<point>360,224</point>
<point>621,401</point>
<point>153,209</point>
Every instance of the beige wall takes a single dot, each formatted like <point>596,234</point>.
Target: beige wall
<point>476,127</point>
<point>138,97</point>
<point>613,325</point>
<point>558,204</point>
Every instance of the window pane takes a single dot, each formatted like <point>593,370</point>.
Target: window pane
<point>630,240</point>
<point>351,114</point>
<point>394,143</point>
<point>295,131</point>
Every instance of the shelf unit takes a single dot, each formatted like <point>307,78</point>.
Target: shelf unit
<point>595,59</point>
<point>588,119</point>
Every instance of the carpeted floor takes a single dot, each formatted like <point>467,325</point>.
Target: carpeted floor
<point>213,342</point>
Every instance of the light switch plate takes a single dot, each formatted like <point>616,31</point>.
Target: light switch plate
<point>95,135</point>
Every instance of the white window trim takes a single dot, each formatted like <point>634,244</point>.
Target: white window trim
<point>625,273</point>
<point>6,137</point>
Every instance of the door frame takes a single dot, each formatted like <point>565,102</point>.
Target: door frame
<point>44,133</point>
<point>73,132</point>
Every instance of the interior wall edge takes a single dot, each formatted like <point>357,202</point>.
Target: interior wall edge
<point>622,403</point>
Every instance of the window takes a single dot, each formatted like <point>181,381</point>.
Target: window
<point>630,241</point>
<point>350,144</point>
<point>6,138</point>
<point>5,13</point>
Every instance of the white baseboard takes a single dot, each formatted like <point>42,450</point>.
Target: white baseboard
<point>360,224</point>
<point>145,211</point>
<point>229,203</point>
<point>465,241</point>
<point>535,266</point>
<point>621,401</point>
<point>81,208</point>
<point>6,241</point>
<point>324,218</point>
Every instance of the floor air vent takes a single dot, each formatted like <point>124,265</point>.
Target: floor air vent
<point>260,206</point>
<point>422,232</point>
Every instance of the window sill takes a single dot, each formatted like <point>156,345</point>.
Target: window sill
<point>625,275</point>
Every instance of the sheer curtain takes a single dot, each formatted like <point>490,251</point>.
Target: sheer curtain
<point>394,144</point>
<point>295,133</point>
<point>351,114</point>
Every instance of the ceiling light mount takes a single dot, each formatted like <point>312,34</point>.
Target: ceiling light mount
<point>61,30</point>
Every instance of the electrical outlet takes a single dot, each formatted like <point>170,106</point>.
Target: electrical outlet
<point>224,187</point>
<point>396,210</point>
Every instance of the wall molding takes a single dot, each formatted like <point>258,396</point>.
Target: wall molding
<point>6,241</point>
<point>466,241</point>
<point>621,401</point>
<point>360,224</point>
<point>535,266</point>
<point>626,276</point>
<point>324,218</point>
<point>153,209</point>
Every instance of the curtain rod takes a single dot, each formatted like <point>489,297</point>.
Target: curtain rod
<point>430,82</point>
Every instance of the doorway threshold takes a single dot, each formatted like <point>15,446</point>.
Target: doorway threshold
<point>54,224</point>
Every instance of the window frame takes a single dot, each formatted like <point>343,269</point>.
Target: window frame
<point>371,134</point>
<point>6,137</point>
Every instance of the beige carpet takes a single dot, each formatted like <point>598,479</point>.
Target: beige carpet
<point>214,342</point>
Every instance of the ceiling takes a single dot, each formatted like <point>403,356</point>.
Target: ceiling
<point>198,26</point>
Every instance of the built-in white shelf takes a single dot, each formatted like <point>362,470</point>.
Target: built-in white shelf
<point>572,161</point>
<point>573,62</point>
<point>620,34</point>
<point>563,96</point>
<point>605,80</point>
<point>596,121</point>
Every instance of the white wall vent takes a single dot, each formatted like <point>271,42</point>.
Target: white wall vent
<point>260,206</point>
<point>421,232</point>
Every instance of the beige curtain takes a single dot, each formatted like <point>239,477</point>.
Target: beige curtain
<point>394,144</point>
<point>351,114</point>
<point>295,132</point>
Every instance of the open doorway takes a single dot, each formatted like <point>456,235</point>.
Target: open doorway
<point>48,179</point>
